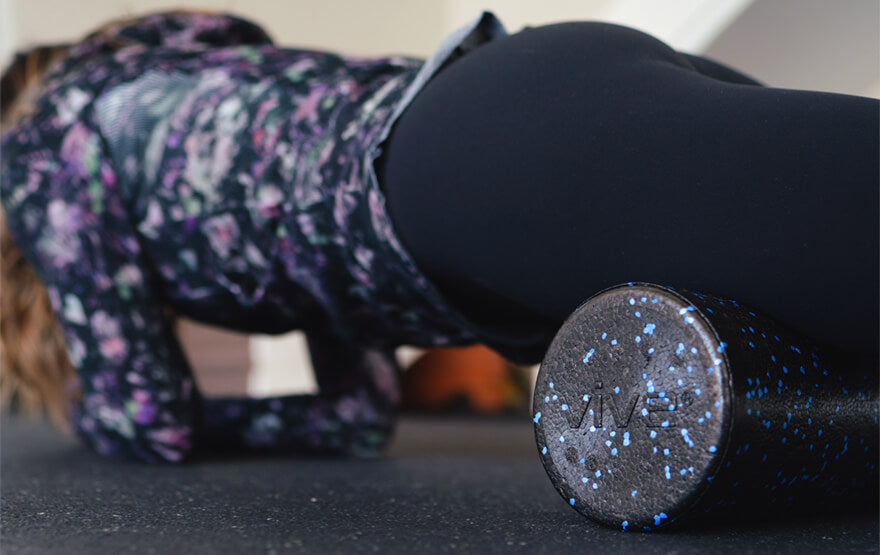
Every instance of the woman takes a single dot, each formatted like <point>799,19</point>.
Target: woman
<point>183,162</point>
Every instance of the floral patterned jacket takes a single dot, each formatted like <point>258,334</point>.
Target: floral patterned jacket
<point>201,167</point>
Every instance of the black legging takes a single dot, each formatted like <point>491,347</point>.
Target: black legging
<point>552,163</point>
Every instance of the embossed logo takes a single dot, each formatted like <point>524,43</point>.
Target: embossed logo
<point>657,409</point>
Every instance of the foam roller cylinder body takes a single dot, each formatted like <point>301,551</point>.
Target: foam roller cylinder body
<point>655,406</point>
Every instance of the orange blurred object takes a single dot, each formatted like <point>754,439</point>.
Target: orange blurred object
<point>474,378</point>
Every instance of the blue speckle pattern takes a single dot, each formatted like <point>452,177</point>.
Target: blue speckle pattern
<point>589,355</point>
<point>652,419</point>
<point>787,389</point>
<point>619,418</point>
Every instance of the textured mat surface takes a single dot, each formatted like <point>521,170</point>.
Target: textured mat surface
<point>444,486</point>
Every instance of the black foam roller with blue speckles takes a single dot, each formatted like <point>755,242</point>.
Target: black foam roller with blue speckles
<point>656,405</point>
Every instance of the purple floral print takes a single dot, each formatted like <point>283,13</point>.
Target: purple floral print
<point>201,167</point>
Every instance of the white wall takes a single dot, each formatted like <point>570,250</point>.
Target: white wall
<point>806,44</point>
<point>8,31</point>
<point>794,43</point>
<point>375,27</point>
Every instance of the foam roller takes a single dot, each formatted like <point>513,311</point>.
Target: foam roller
<point>654,406</point>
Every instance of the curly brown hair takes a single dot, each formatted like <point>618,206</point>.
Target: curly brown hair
<point>35,371</point>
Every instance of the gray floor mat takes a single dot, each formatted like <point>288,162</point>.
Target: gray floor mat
<point>446,485</point>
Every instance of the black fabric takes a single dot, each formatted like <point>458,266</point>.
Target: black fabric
<point>553,163</point>
<point>459,486</point>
